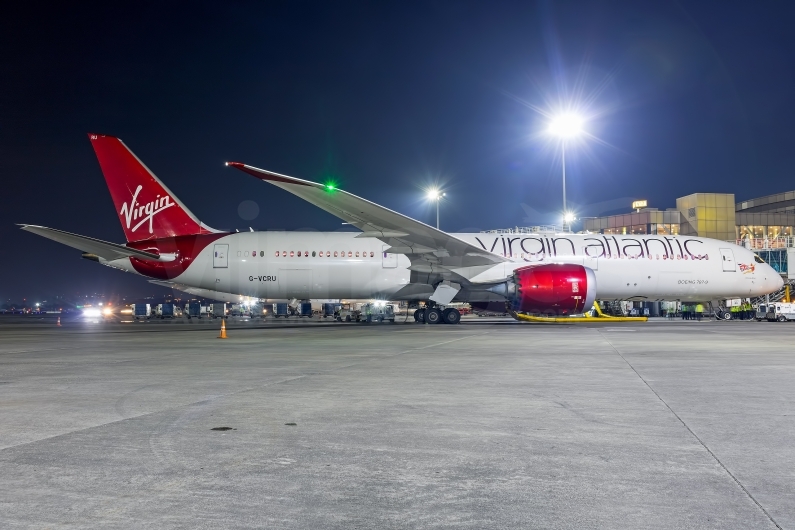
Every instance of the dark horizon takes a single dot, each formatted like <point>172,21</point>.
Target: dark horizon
<point>386,99</point>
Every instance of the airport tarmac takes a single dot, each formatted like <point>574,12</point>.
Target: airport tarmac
<point>487,424</point>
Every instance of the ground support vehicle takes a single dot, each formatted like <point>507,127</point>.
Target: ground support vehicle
<point>378,312</point>
<point>347,313</point>
<point>329,310</point>
<point>193,309</point>
<point>141,311</point>
<point>305,309</point>
<point>218,310</point>
<point>780,312</point>
<point>165,310</point>
<point>259,310</point>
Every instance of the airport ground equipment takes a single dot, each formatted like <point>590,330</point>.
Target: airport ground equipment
<point>218,310</point>
<point>281,309</point>
<point>592,316</point>
<point>193,309</point>
<point>141,311</point>
<point>258,310</point>
<point>165,310</point>
<point>305,309</point>
<point>348,313</point>
<point>780,312</point>
<point>329,310</point>
<point>378,312</point>
<point>223,330</point>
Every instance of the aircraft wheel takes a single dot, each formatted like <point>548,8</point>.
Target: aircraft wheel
<point>451,315</point>
<point>419,315</point>
<point>433,316</point>
<point>727,315</point>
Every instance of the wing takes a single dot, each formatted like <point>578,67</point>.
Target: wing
<point>103,249</point>
<point>429,249</point>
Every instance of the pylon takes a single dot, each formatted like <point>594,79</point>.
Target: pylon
<point>59,322</point>
<point>223,330</point>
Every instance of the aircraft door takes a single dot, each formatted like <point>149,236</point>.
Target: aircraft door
<point>220,256</point>
<point>221,268</point>
<point>727,257</point>
<point>388,261</point>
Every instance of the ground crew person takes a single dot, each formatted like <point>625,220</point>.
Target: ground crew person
<point>735,310</point>
<point>699,311</point>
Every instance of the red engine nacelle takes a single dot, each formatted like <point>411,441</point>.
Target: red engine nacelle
<point>555,288</point>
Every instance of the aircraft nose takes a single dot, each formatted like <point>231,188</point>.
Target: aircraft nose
<point>774,279</point>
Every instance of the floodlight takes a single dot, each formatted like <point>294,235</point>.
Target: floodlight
<point>566,125</point>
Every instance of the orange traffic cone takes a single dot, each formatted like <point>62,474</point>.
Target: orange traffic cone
<point>59,322</point>
<point>223,330</point>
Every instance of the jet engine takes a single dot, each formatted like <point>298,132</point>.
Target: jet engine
<point>554,288</point>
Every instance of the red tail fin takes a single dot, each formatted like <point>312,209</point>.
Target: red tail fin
<point>146,207</point>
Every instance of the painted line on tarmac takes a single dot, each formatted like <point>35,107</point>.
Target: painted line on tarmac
<point>700,441</point>
<point>442,343</point>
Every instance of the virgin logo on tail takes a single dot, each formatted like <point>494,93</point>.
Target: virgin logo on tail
<point>135,211</point>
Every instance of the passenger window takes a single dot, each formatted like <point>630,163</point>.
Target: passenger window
<point>313,253</point>
<point>357,254</point>
<point>245,254</point>
<point>372,254</point>
<point>239,253</point>
<point>277,254</point>
<point>261,253</point>
<point>306,253</point>
<point>292,253</point>
<point>335,253</point>
<point>350,254</point>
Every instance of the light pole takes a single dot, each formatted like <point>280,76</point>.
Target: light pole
<point>565,127</point>
<point>436,195</point>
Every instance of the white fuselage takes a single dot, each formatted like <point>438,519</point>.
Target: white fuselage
<point>337,265</point>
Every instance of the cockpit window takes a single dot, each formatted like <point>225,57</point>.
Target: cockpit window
<point>758,259</point>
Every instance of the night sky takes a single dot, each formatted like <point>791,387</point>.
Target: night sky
<point>387,98</point>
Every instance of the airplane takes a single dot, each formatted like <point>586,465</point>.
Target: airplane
<point>395,257</point>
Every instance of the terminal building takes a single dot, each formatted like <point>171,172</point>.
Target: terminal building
<point>764,225</point>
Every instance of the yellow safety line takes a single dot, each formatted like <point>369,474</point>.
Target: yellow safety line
<point>601,318</point>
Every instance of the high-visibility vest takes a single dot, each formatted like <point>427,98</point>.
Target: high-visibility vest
<point>699,308</point>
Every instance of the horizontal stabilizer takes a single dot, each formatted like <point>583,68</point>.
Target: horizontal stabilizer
<point>103,249</point>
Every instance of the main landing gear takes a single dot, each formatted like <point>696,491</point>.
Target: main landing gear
<point>433,315</point>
